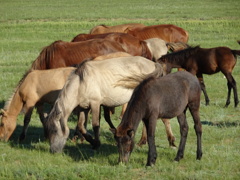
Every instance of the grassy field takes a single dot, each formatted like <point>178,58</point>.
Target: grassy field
<point>26,26</point>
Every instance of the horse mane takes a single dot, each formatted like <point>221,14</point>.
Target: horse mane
<point>179,56</point>
<point>45,56</point>
<point>7,103</point>
<point>81,69</point>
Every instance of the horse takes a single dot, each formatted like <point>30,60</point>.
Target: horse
<point>199,61</point>
<point>37,88</point>
<point>160,97</point>
<point>63,54</point>
<point>166,32</point>
<point>100,29</point>
<point>95,83</point>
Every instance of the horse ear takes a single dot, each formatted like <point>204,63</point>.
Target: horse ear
<point>3,112</point>
<point>113,130</point>
<point>130,133</point>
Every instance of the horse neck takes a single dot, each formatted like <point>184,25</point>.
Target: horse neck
<point>131,118</point>
<point>14,105</point>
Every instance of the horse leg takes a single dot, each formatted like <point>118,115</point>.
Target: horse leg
<point>231,85</point>
<point>183,131</point>
<point>27,119</point>
<point>201,81</point>
<point>95,107</point>
<point>124,107</point>
<point>152,152</point>
<point>143,139</point>
<point>42,117</point>
<point>107,116</point>
<point>194,110</point>
<point>81,126</point>
<point>170,136</point>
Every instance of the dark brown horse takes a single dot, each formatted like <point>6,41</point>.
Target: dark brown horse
<point>100,29</point>
<point>129,43</point>
<point>167,32</point>
<point>199,61</point>
<point>160,97</point>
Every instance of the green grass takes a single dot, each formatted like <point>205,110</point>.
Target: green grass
<point>26,26</point>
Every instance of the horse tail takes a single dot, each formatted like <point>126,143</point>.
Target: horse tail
<point>173,47</point>
<point>45,57</point>
<point>132,82</point>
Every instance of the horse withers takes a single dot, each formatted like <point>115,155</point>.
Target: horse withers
<point>160,97</point>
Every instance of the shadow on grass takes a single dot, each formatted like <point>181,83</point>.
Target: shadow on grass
<point>221,124</point>
<point>35,140</point>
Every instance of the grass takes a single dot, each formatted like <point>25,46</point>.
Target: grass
<point>27,26</point>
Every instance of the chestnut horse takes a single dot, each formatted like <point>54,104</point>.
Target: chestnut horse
<point>167,32</point>
<point>160,97</point>
<point>95,83</point>
<point>100,29</point>
<point>201,61</point>
<point>129,43</point>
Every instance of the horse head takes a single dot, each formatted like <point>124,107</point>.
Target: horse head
<point>125,143</point>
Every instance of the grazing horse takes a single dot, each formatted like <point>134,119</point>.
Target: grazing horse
<point>160,97</point>
<point>95,83</point>
<point>167,32</point>
<point>37,88</point>
<point>201,61</point>
<point>100,29</point>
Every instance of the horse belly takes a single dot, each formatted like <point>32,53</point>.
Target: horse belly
<point>116,97</point>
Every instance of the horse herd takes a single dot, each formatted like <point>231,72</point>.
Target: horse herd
<point>127,65</point>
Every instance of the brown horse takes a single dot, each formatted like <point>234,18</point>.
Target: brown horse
<point>167,32</point>
<point>129,43</point>
<point>63,54</point>
<point>160,97</point>
<point>100,29</point>
<point>201,61</point>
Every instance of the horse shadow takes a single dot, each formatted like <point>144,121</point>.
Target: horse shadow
<point>83,151</point>
<point>221,124</point>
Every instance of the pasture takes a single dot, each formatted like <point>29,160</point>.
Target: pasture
<point>27,26</point>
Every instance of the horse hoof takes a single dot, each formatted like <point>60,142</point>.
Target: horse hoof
<point>96,145</point>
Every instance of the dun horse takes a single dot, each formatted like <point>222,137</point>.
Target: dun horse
<point>201,61</point>
<point>100,29</point>
<point>160,97</point>
<point>93,84</point>
<point>167,32</point>
<point>37,88</point>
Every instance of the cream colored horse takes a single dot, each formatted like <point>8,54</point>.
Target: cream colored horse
<point>95,83</point>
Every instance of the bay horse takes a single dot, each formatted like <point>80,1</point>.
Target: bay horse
<point>166,32</point>
<point>199,61</point>
<point>37,88</point>
<point>95,83</point>
<point>100,29</point>
<point>160,97</point>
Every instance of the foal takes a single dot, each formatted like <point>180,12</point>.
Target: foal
<point>160,97</point>
<point>199,61</point>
